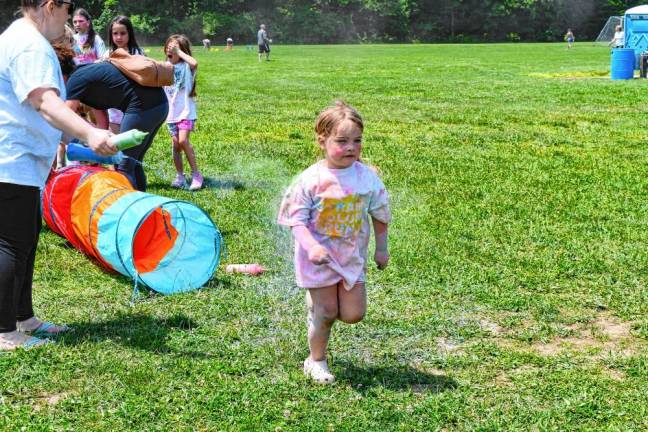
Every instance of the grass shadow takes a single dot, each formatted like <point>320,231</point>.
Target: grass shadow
<point>138,331</point>
<point>393,378</point>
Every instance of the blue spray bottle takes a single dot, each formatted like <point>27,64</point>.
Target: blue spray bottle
<point>78,152</point>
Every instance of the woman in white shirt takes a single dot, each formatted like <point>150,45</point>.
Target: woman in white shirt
<point>32,116</point>
<point>619,38</point>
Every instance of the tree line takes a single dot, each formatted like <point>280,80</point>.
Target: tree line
<point>357,21</point>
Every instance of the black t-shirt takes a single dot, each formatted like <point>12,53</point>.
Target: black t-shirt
<point>102,86</point>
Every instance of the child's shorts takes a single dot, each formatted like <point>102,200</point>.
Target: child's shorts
<point>115,116</point>
<point>187,125</point>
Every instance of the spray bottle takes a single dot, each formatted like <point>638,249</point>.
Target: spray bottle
<point>126,140</point>
<point>78,152</point>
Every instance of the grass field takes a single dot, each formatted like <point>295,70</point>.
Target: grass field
<point>515,299</point>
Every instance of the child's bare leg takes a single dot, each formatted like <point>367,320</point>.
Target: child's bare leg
<point>60,155</point>
<point>352,305</point>
<point>322,306</point>
<point>185,144</point>
<point>177,155</point>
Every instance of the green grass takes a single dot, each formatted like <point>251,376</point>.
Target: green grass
<point>516,296</point>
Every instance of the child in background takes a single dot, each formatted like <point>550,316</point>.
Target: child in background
<point>121,35</point>
<point>328,208</point>
<point>569,37</point>
<point>182,108</point>
<point>619,37</point>
<point>63,48</point>
<point>88,46</point>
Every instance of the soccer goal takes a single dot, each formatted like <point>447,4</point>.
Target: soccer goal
<point>607,33</point>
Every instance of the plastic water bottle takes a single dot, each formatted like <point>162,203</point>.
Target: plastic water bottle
<point>77,152</point>
<point>251,269</point>
<point>126,140</point>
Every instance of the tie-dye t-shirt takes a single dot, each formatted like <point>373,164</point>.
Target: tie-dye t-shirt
<point>84,55</point>
<point>335,205</point>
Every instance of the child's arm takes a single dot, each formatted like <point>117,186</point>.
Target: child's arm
<point>192,62</point>
<point>317,254</point>
<point>382,254</point>
<point>101,117</point>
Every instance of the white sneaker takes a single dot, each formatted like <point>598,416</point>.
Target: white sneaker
<point>318,371</point>
<point>179,182</point>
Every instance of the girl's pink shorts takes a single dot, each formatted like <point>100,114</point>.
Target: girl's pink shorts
<point>181,125</point>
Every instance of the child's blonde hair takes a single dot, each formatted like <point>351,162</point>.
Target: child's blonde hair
<point>185,46</point>
<point>332,116</point>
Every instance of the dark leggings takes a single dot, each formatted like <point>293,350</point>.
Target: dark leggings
<point>20,223</point>
<point>149,121</point>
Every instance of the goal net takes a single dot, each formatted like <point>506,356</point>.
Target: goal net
<point>607,33</point>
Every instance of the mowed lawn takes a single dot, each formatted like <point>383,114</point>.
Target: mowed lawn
<point>515,298</point>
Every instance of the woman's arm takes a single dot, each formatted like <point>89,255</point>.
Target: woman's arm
<point>49,105</point>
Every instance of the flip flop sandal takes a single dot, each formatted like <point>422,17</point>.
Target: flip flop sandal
<point>29,343</point>
<point>34,342</point>
<point>44,330</point>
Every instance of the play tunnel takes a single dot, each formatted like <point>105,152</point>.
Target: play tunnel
<point>168,245</point>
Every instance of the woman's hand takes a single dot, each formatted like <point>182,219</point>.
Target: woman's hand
<point>99,141</point>
<point>319,255</point>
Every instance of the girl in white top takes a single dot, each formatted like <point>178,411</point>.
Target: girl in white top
<point>619,37</point>
<point>88,46</point>
<point>182,108</point>
<point>121,35</point>
<point>32,116</point>
<point>328,208</point>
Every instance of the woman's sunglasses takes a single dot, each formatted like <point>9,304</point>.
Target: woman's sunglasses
<point>62,2</point>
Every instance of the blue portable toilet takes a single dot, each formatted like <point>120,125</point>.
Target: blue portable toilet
<point>635,27</point>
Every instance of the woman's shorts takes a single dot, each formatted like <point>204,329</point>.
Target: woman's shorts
<point>187,125</point>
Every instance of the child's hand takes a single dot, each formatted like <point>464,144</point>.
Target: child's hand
<point>382,259</point>
<point>173,47</point>
<point>318,255</point>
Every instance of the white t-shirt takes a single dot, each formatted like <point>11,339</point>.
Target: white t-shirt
<point>181,105</point>
<point>619,38</point>
<point>27,142</point>
<point>335,205</point>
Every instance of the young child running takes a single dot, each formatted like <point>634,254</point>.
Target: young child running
<point>121,35</point>
<point>328,208</point>
<point>569,38</point>
<point>182,108</point>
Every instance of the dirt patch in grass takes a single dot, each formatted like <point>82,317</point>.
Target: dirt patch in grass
<point>604,335</point>
<point>488,325</point>
<point>48,400</point>
<point>448,346</point>
<point>615,374</point>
